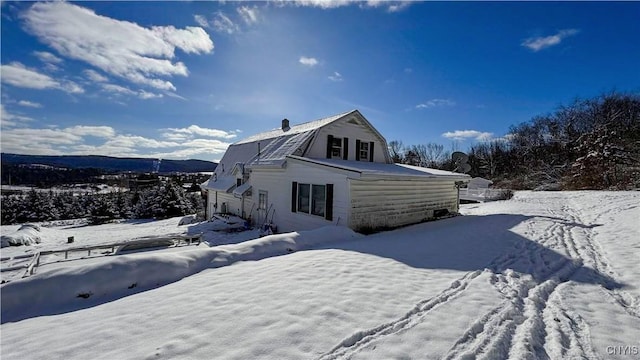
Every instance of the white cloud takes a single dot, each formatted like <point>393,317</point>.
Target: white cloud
<point>95,76</point>
<point>121,90</point>
<point>542,42</point>
<point>248,14</point>
<point>8,119</point>
<point>435,103</point>
<point>222,23</point>
<point>104,140</point>
<point>19,75</point>
<point>121,48</point>
<point>468,134</point>
<point>29,104</point>
<point>308,61</point>
<point>391,6</point>
<point>201,20</point>
<point>336,76</point>
<point>97,131</point>
<point>47,57</point>
<point>117,89</point>
<point>148,95</point>
<point>324,4</point>
<point>185,133</point>
<point>398,6</point>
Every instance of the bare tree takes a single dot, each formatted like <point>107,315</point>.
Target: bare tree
<point>396,151</point>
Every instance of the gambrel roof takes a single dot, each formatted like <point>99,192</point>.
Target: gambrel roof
<point>270,148</point>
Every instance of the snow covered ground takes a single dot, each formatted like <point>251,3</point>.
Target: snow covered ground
<point>543,275</point>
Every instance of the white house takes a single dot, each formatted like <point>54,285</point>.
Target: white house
<point>335,170</point>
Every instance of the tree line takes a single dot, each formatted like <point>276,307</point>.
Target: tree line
<point>161,201</point>
<point>588,144</point>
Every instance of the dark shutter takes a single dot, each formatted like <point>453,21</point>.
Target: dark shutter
<point>345,149</point>
<point>357,150</point>
<point>328,211</point>
<point>294,196</point>
<point>329,142</point>
<point>371,151</point>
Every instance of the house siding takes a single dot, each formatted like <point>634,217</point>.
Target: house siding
<point>278,185</point>
<point>234,205</point>
<point>344,129</point>
<point>391,203</point>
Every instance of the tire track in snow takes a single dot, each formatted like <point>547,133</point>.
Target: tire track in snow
<point>518,329</point>
<point>593,254</point>
<point>568,335</point>
<point>352,344</point>
<point>532,320</point>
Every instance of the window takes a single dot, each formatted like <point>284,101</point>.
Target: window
<point>238,182</point>
<point>336,148</point>
<point>262,200</point>
<point>318,200</point>
<point>303,197</point>
<point>312,199</point>
<point>364,151</point>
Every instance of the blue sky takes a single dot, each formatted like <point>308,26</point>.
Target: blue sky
<point>180,80</point>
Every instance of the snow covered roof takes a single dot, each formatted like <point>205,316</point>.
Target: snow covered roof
<point>382,169</point>
<point>222,183</point>
<point>240,190</point>
<point>296,129</point>
<point>267,149</point>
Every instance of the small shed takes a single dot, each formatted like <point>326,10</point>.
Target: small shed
<point>479,183</point>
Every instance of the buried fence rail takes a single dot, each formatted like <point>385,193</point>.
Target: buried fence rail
<point>113,249</point>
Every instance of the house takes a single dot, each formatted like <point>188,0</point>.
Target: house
<point>335,170</point>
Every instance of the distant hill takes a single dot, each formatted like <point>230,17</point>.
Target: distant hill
<point>110,164</point>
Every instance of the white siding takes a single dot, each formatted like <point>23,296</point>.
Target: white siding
<point>234,205</point>
<point>347,128</point>
<point>278,185</point>
<point>391,203</point>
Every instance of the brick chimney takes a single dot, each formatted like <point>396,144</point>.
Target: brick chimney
<point>285,125</point>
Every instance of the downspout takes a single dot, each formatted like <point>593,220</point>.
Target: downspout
<point>458,184</point>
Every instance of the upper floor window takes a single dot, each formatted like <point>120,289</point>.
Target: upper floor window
<point>336,148</point>
<point>364,151</point>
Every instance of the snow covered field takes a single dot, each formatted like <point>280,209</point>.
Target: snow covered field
<point>543,275</point>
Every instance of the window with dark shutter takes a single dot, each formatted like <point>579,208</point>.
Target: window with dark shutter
<point>294,196</point>
<point>345,150</point>
<point>357,150</point>
<point>328,213</point>
<point>371,151</point>
<point>329,144</point>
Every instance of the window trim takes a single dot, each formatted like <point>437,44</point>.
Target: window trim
<point>311,201</point>
<point>266,199</point>
<point>337,147</point>
<point>362,151</point>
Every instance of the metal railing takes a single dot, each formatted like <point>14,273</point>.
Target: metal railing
<point>114,249</point>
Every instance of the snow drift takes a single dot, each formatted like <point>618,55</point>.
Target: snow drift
<point>127,274</point>
<point>27,234</point>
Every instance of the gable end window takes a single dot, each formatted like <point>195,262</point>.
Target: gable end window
<point>364,150</point>
<point>314,199</point>
<point>334,147</point>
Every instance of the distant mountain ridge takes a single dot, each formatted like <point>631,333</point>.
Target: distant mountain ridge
<point>110,163</point>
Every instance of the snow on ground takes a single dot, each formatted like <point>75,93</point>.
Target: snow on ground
<point>544,275</point>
